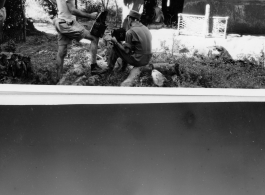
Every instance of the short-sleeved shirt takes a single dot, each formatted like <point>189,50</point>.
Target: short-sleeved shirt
<point>66,25</point>
<point>140,39</point>
<point>63,11</point>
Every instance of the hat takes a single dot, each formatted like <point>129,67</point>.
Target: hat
<point>135,14</point>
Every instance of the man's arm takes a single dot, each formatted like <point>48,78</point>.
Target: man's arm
<point>126,47</point>
<point>53,2</point>
<point>76,12</point>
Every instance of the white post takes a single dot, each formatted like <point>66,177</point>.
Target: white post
<point>207,21</point>
<point>178,30</point>
<point>225,31</point>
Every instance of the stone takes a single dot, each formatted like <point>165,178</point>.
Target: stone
<point>158,78</point>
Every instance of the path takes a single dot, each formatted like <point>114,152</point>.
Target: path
<point>246,45</point>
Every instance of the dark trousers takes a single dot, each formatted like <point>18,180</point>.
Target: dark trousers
<point>115,53</point>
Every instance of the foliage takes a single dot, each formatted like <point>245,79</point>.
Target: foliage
<point>114,12</point>
<point>92,6</point>
<point>10,46</point>
<point>49,7</point>
<point>219,73</point>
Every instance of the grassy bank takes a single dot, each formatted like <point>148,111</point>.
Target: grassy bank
<point>192,72</point>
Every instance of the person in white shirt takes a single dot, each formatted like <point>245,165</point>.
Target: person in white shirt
<point>68,29</point>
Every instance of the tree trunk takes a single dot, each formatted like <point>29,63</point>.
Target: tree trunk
<point>2,4</point>
<point>117,13</point>
<point>24,22</point>
<point>171,12</point>
<point>148,11</point>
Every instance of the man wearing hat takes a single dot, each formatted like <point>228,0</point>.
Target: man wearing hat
<point>137,50</point>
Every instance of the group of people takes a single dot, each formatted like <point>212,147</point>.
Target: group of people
<point>136,51</point>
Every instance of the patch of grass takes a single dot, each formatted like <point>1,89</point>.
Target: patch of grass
<point>212,73</point>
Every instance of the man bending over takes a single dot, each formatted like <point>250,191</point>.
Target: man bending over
<point>68,29</point>
<point>137,49</point>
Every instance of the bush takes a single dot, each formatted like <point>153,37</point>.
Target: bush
<point>220,73</point>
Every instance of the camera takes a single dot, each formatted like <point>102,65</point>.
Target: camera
<point>99,25</point>
<point>119,34</point>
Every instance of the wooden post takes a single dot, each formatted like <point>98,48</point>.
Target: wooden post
<point>225,31</point>
<point>178,31</point>
<point>207,21</point>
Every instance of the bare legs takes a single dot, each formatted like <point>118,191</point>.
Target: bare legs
<point>62,51</point>
<point>93,49</point>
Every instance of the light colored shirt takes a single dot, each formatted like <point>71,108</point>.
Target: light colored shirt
<point>63,11</point>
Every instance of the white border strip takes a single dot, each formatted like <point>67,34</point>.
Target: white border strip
<point>29,99</point>
<point>89,90</point>
<point>11,94</point>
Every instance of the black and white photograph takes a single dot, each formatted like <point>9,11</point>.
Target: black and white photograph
<point>133,43</point>
<point>132,97</point>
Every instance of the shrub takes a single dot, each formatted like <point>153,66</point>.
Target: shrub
<point>221,74</point>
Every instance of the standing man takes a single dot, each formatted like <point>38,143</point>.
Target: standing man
<point>2,18</point>
<point>137,49</point>
<point>68,29</point>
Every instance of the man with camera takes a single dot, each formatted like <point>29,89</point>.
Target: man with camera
<point>137,49</point>
<point>69,29</point>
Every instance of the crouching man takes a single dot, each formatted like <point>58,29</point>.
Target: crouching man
<point>137,49</point>
<point>68,29</point>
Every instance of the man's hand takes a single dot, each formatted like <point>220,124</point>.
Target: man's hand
<point>93,15</point>
<point>114,40</point>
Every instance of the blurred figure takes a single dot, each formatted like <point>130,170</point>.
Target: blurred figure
<point>158,19</point>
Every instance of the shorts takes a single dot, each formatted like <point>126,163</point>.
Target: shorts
<point>2,15</point>
<point>68,31</point>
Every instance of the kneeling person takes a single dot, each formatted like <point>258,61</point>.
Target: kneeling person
<point>137,49</point>
<point>68,29</point>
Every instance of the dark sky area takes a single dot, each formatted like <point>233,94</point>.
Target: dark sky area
<point>155,149</point>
